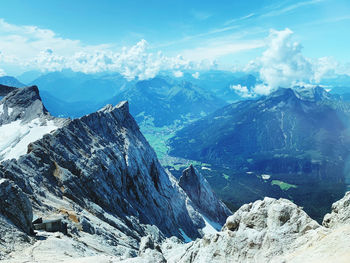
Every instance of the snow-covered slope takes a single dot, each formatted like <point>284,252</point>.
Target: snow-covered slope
<point>23,119</point>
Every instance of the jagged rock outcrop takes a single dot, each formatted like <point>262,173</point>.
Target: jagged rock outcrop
<point>22,104</point>
<point>100,173</point>
<point>340,213</point>
<point>15,205</point>
<point>257,232</point>
<point>199,191</point>
<point>267,230</point>
<point>15,218</point>
<point>4,90</point>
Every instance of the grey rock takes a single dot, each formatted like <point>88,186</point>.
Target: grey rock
<point>340,213</point>
<point>15,218</point>
<point>200,193</point>
<point>257,232</point>
<point>25,104</point>
<point>15,206</point>
<point>4,90</point>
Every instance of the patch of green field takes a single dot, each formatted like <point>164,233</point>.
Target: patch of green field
<point>283,185</point>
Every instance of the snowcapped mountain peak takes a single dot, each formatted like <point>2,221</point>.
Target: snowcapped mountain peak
<point>23,119</point>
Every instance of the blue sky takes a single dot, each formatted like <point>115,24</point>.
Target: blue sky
<point>231,33</point>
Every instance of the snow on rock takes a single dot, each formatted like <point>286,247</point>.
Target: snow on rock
<point>23,119</point>
<point>16,136</point>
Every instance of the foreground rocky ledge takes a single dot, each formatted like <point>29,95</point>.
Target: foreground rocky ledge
<point>267,230</point>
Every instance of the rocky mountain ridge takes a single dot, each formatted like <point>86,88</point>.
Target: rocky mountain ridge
<point>99,173</point>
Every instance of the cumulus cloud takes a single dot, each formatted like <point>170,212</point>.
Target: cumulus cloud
<point>178,74</point>
<point>242,91</point>
<point>282,64</point>
<point>30,47</point>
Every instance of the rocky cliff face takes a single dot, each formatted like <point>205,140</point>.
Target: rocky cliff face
<point>199,191</point>
<point>15,217</point>
<point>101,175</point>
<point>4,90</point>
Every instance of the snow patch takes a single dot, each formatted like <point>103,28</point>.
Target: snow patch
<point>265,176</point>
<point>185,237</point>
<point>210,226</point>
<point>16,136</point>
<point>206,168</point>
<point>9,111</point>
<point>1,109</point>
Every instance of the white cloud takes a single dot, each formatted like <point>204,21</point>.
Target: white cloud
<point>2,73</point>
<point>282,64</point>
<point>30,47</point>
<point>178,74</point>
<point>242,91</point>
<point>196,75</point>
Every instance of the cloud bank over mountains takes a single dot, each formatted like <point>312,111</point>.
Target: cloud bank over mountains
<point>30,47</point>
<point>282,64</point>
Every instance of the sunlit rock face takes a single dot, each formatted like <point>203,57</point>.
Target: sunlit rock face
<point>199,191</point>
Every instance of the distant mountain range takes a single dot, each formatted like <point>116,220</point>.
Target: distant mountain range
<point>296,138</point>
<point>165,101</point>
<point>161,100</point>
<point>286,125</point>
<point>11,81</point>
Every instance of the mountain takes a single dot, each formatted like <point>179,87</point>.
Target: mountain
<point>219,82</point>
<point>161,100</point>
<point>199,191</point>
<point>100,179</point>
<point>29,76</point>
<point>72,86</point>
<point>284,125</point>
<point>23,118</point>
<point>165,101</point>
<point>291,144</point>
<point>11,81</point>
<point>98,174</point>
